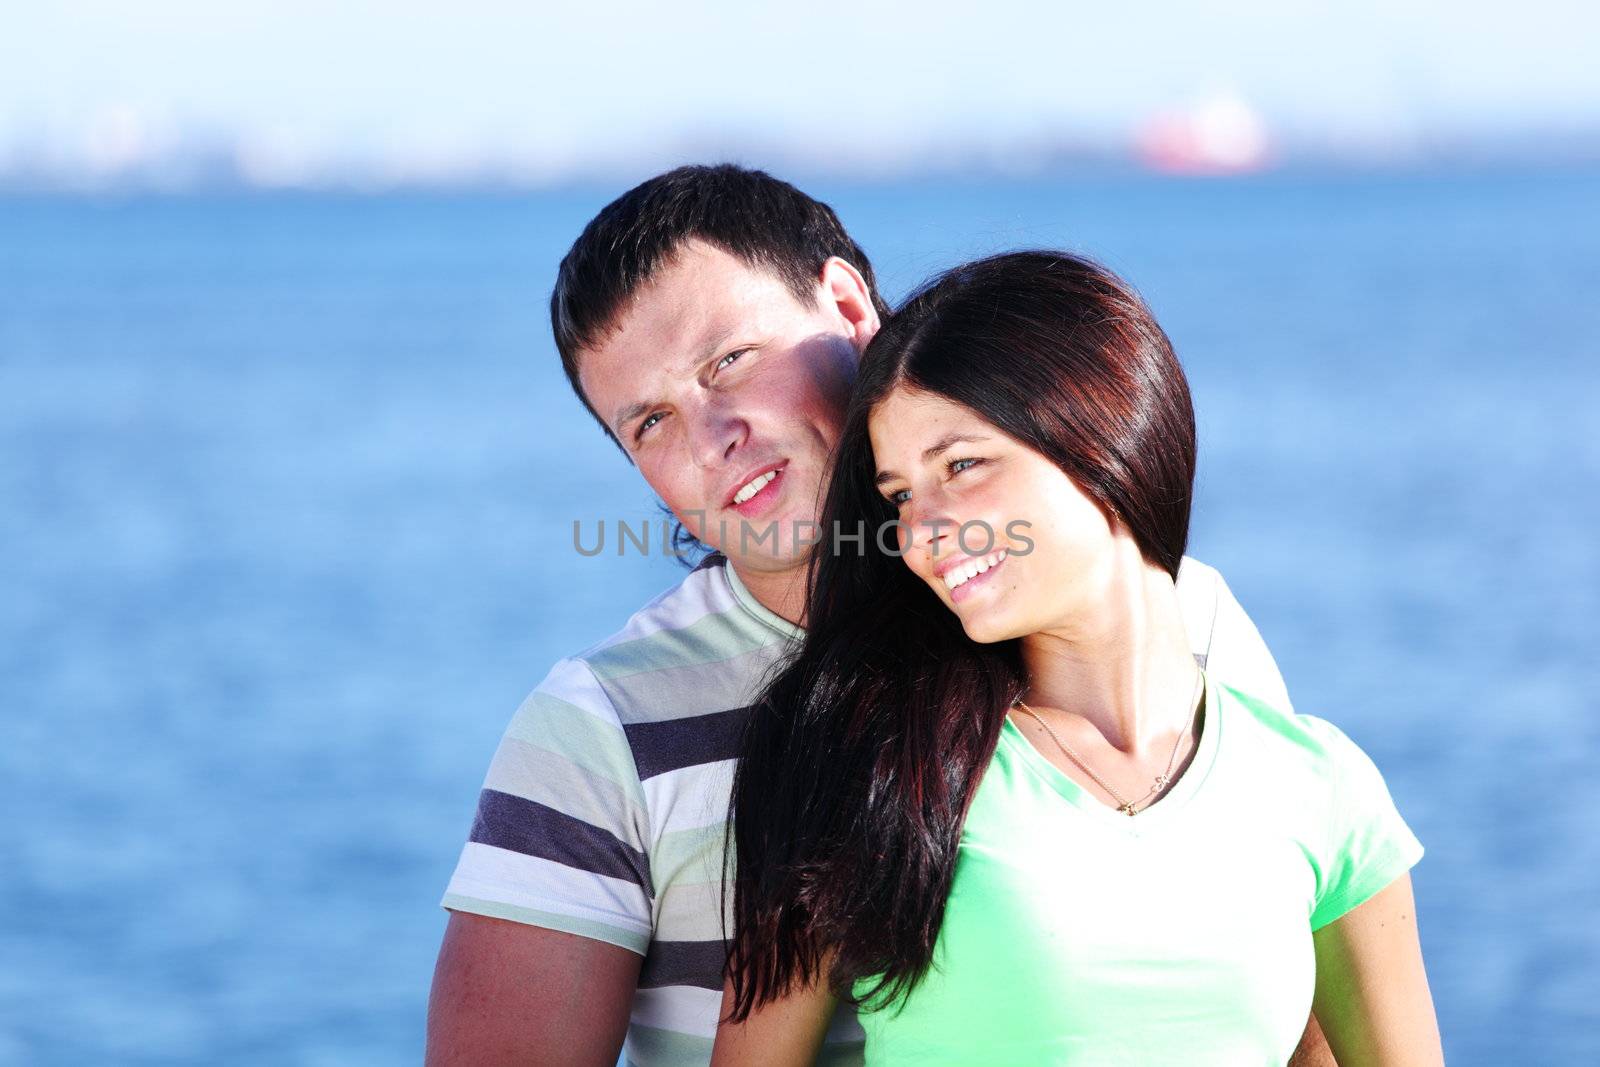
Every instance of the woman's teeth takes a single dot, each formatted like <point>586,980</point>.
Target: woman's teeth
<point>968,571</point>
<point>753,486</point>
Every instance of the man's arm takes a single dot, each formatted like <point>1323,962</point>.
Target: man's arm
<point>510,993</point>
<point>551,902</point>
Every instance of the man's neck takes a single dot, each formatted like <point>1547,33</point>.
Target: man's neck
<point>781,592</point>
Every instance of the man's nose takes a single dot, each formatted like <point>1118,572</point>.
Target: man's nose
<point>717,429</point>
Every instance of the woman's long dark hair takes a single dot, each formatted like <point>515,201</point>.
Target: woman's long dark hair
<point>865,749</point>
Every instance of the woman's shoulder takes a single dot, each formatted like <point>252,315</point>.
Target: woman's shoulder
<point>1357,840</point>
<point>1301,743</point>
<point>1287,734</point>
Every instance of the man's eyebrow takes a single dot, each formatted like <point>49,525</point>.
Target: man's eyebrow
<point>639,407</point>
<point>628,414</point>
<point>711,346</point>
<point>933,451</point>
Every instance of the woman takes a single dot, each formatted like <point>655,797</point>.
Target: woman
<point>992,799</point>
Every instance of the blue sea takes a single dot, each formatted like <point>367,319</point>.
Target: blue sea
<point>287,486</point>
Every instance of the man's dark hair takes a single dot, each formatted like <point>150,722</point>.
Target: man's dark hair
<point>765,222</point>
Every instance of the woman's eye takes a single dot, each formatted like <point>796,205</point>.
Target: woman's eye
<point>900,497</point>
<point>955,465</point>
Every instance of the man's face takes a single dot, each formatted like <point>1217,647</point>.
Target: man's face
<point>729,395</point>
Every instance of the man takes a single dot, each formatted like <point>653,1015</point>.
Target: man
<point>710,319</point>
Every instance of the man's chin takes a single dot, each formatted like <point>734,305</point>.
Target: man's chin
<point>768,561</point>
<point>768,545</point>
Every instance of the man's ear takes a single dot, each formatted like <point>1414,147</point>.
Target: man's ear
<point>844,290</point>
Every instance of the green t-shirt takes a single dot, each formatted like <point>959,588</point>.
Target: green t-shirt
<point>1077,935</point>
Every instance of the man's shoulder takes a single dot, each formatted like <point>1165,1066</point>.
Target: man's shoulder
<point>1198,588</point>
<point>690,650</point>
<point>1196,576</point>
<point>702,592</point>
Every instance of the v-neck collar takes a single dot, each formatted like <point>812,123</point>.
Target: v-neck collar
<point>1165,809</point>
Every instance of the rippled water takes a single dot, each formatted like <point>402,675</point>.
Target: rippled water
<point>286,493</point>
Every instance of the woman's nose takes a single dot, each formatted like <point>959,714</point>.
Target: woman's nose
<point>932,529</point>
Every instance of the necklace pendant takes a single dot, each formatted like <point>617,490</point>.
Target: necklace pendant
<point>1161,781</point>
<point>1128,810</point>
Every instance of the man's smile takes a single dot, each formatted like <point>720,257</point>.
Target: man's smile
<point>756,489</point>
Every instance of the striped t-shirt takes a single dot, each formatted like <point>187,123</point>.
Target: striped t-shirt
<point>604,809</point>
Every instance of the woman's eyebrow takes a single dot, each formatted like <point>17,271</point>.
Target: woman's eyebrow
<point>933,451</point>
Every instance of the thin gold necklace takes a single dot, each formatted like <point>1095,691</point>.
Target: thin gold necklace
<point>1127,807</point>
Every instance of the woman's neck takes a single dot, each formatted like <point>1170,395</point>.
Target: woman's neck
<point>1121,658</point>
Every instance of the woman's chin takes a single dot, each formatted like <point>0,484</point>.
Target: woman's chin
<point>986,627</point>
<point>987,614</point>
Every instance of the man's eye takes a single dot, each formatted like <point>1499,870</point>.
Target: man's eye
<point>649,422</point>
<point>730,357</point>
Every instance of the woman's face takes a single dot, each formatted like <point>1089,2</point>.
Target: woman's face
<point>1036,552</point>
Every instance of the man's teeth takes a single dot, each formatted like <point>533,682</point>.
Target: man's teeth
<point>753,486</point>
<point>968,571</point>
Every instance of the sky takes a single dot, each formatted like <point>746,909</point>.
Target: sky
<point>292,91</point>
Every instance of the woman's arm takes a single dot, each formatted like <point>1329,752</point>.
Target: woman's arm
<point>784,1033</point>
<point>1372,994</point>
<point>1313,1050</point>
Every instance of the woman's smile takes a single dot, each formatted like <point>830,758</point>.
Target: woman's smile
<point>966,577</point>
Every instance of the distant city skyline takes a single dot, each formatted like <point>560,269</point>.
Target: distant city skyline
<point>179,94</point>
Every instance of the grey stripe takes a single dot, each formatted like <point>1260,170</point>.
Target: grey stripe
<point>678,687</point>
<point>520,825</point>
<point>659,747</point>
<point>652,1047</point>
<point>691,963</point>
<point>593,741</point>
<point>692,911</point>
<point>712,638</point>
